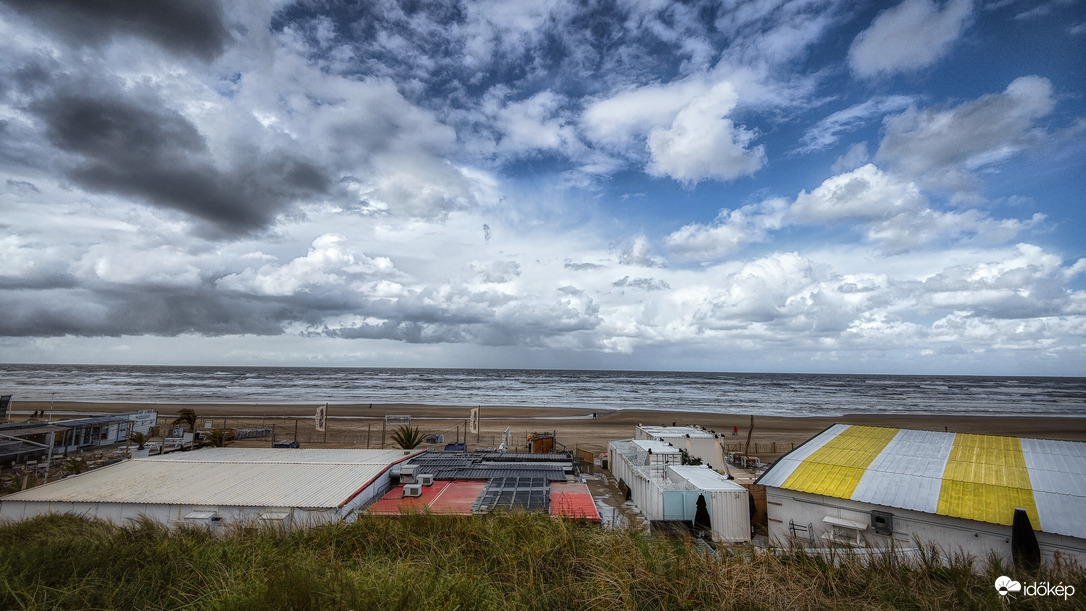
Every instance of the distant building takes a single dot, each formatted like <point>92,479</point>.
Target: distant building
<point>219,486</point>
<point>862,485</point>
<point>665,490</point>
<point>70,435</point>
<point>696,441</point>
<point>96,431</point>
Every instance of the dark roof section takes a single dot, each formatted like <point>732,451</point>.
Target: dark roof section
<point>530,493</point>
<point>15,450</point>
<point>468,466</point>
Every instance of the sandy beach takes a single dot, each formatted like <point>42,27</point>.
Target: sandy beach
<point>359,425</point>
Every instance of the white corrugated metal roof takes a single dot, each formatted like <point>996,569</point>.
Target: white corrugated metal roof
<point>657,447</point>
<point>661,432</point>
<point>225,477</point>
<point>287,455</point>
<point>704,478</point>
<point>911,458</point>
<point>1060,499</point>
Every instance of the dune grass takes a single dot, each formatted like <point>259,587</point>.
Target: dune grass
<point>503,561</point>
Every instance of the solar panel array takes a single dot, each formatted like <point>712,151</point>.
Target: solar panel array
<point>530,493</point>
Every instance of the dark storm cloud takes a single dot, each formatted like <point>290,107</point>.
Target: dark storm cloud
<point>137,311</point>
<point>190,27</point>
<point>131,144</point>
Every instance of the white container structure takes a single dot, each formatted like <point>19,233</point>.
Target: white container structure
<point>665,490</point>
<point>218,486</point>
<point>697,442</point>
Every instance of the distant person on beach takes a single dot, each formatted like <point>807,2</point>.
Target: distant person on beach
<point>735,431</point>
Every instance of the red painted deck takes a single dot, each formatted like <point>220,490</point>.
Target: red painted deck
<point>573,501</point>
<point>455,497</point>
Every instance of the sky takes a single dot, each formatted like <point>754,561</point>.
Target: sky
<point>765,185</point>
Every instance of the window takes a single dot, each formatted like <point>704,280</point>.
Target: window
<point>845,531</point>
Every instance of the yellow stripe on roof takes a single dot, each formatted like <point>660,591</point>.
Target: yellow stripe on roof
<point>835,469</point>
<point>985,479</point>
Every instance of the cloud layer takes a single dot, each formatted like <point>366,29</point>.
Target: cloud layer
<point>763,185</point>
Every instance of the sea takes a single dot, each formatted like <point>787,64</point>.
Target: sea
<point>776,394</point>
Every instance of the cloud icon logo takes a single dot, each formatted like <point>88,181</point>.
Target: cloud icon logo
<point>1005,584</point>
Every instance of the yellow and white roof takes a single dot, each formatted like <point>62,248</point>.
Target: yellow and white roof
<point>976,477</point>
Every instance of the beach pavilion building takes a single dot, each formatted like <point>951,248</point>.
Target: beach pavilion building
<point>30,440</point>
<point>873,486</point>
<point>220,486</point>
<point>666,491</point>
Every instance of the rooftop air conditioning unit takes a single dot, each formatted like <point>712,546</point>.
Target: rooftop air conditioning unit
<point>425,479</point>
<point>412,490</point>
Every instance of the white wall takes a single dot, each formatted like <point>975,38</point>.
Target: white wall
<point>729,511</point>
<point>730,515</point>
<point>170,515</point>
<point>951,535</point>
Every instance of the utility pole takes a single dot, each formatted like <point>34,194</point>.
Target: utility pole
<point>750,431</point>
<point>49,439</point>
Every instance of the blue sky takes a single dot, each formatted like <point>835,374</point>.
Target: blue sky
<point>804,186</point>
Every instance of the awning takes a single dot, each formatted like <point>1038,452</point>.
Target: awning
<point>845,523</point>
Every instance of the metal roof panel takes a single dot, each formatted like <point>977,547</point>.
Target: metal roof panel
<point>1057,471</point>
<point>783,468</point>
<point>837,467</point>
<point>908,473</point>
<point>200,478</point>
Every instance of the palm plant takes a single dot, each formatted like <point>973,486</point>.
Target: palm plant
<point>187,418</point>
<point>75,465</point>
<point>216,439</point>
<point>139,439</point>
<point>407,437</point>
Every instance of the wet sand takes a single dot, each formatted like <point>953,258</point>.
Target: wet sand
<point>357,425</point>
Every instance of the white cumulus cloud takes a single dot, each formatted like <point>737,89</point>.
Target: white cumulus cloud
<point>330,261</point>
<point>702,143</point>
<point>910,36</point>
<point>889,210</point>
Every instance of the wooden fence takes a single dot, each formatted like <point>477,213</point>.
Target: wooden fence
<point>760,447</point>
